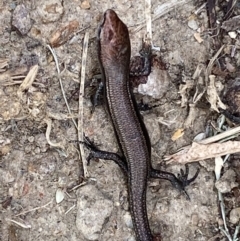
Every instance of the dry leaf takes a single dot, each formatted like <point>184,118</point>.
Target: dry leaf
<point>27,82</point>
<point>197,36</point>
<point>62,35</point>
<point>212,95</point>
<point>177,134</point>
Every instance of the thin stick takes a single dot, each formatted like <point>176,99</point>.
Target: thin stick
<point>20,224</point>
<point>221,136</point>
<point>210,65</point>
<point>34,209</point>
<point>80,110</point>
<point>70,209</point>
<point>164,9</point>
<point>235,238</point>
<point>148,18</point>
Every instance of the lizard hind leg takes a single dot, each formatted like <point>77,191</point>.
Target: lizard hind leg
<point>179,182</point>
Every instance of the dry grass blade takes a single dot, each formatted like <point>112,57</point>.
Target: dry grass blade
<point>27,82</point>
<point>210,65</point>
<point>60,81</point>
<point>164,9</point>
<point>221,136</point>
<point>230,7</point>
<point>3,64</point>
<point>211,13</point>
<point>148,18</point>
<point>60,116</point>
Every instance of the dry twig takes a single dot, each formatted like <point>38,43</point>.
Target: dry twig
<point>207,148</point>
<point>33,209</point>
<point>80,112</point>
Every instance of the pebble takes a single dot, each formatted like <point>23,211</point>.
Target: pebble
<point>50,11</point>
<point>235,215</point>
<point>128,220</point>
<point>195,219</point>
<point>193,24</point>
<point>152,125</point>
<point>85,5</point>
<point>232,34</point>
<point>157,84</point>
<point>21,19</point>
<point>227,182</point>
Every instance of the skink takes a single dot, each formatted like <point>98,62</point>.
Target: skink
<point>114,56</point>
<point>114,53</point>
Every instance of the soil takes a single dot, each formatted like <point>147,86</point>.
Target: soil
<point>44,194</point>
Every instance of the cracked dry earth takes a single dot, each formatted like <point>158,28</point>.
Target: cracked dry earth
<point>38,179</point>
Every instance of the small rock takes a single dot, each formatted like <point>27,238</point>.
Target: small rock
<point>152,125</point>
<point>28,148</point>
<point>193,24</point>
<point>85,5</point>
<point>231,24</point>
<point>59,195</point>
<point>50,11</point>
<point>220,222</point>
<point>93,212</point>
<point>7,177</point>
<point>230,67</point>
<point>31,139</point>
<point>226,182</point>
<point>162,207</point>
<point>195,219</point>
<point>5,149</point>
<point>157,84</point>
<point>235,215</point>
<point>232,34</point>
<point>128,220</point>
<point>21,19</point>
<point>41,142</point>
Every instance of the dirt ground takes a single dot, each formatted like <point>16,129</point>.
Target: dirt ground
<point>44,194</point>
